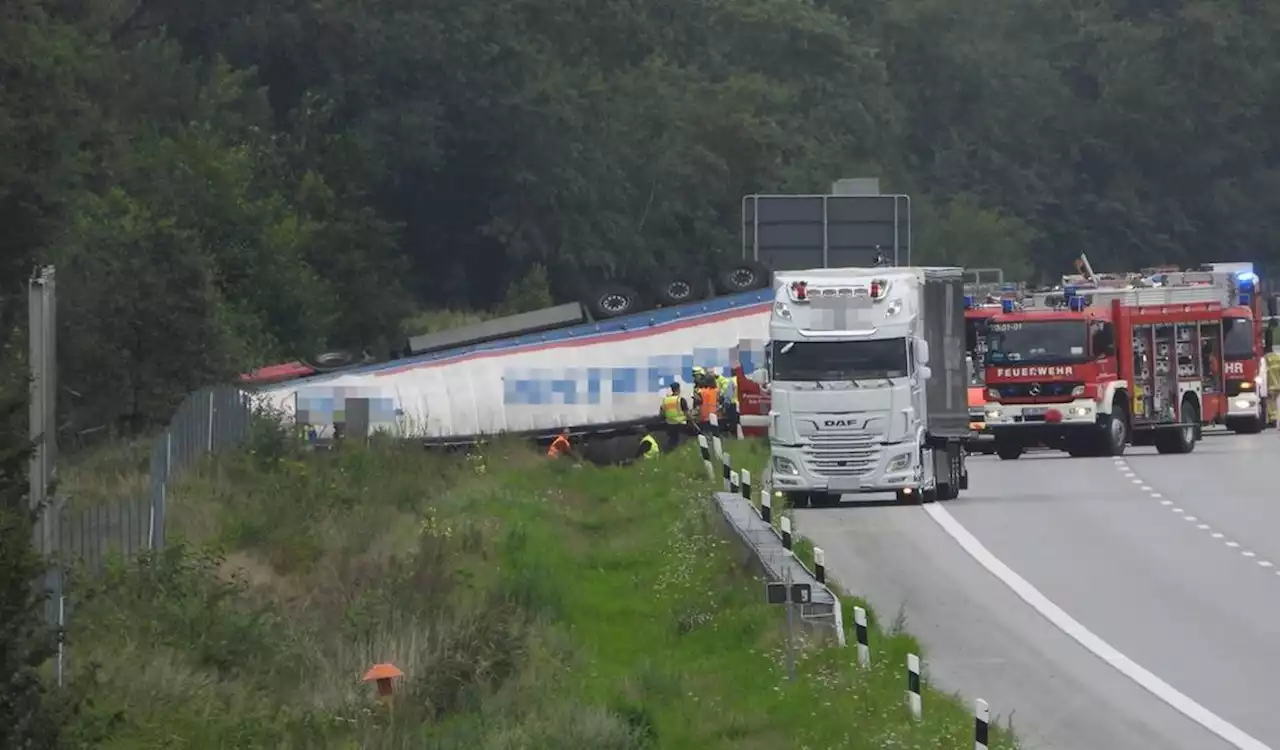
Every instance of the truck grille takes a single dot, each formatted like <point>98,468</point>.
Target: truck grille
<point>1048,391</point>
<point>842,454</point>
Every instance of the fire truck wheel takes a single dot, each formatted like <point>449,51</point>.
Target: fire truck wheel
<point>1008,451</point>
<point>1182,439</point>
<point>1114,430</point>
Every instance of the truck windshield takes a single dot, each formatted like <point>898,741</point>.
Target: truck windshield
<point>839,360</point>
<point>1237,338</point>
<point>1037,342</point>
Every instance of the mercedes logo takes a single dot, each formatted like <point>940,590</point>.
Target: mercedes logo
<point>1035,389</point>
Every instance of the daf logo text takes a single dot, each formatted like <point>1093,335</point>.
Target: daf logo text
<point>838,423</point>
<point>1034,372</point>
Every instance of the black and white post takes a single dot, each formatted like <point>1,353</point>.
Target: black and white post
<point>860,628</point>
<point>727,461</point>
<point>746,484</point>
<point>913,685</point>
<point>820,565</point>
<point>733,482</point>
<point>981,721</point>
<point>784,524</point>
<point>766,506</point>
<point>705,449</point>
<point>715,438</point>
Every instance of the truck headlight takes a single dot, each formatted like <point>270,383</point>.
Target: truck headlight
<point>899,462</point>
<point>1242,404</point>
<point>1077,392</point>
<point>784,466</point>
<point>993,414</point>
<point>1080,411</point>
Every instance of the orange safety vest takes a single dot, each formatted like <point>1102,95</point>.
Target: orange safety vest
<point>709,397</point>
<point>558,446</point>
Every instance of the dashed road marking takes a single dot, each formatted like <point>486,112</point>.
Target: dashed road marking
<point>1127,471</point>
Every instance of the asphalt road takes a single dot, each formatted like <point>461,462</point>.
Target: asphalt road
<point>1148,553</point>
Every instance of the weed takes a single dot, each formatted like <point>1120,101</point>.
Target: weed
<point>529,605</point>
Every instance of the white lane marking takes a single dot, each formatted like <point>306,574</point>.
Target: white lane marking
<point>1156,495</point>
<point>1166,502</point>
<point>1203,526</point>
<point>1177,510</point>
<point>1248,554</point>
<point>1233,545</point>
<point>1085,637</point>
<point>1217,535</point>
<point>1264,563</point>
<point>1145,488</point>
<point>1192,519</point>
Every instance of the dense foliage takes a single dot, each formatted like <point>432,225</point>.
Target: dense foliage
<point>223,184</point>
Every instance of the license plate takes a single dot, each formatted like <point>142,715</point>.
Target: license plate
<point>844,484</point>
<point>1034,411</point>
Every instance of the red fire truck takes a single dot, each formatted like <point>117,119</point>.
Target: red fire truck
<point>1091,370</point>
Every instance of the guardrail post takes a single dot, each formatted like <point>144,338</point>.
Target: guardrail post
<point>746,484</point>
<point>785,524</point>
<point>705,449</point>
<point>981,722</point>
<point>913,686</point>
<point>766,506</point>
<point>860,629</point>
<point>733,482</point>
<point>819,565</point>
<point>727,462</point>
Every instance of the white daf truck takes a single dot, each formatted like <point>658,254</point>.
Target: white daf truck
<point>869,385</point>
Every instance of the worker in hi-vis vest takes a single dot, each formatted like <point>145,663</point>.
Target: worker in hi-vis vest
<point>648,447</point>
<point>674,412</point>
<point>560,446</point>
<point>728,393</point>
<point>706,400</point>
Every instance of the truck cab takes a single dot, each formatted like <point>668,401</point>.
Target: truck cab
<point>857,406</point>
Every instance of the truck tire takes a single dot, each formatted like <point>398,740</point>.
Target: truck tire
<point>956,479</point>
<point>1113,430</point>
<point>613,302</point>
<point>742,276</point>
<point>679,290</point>
<point>1182,439</point>
<point>335,360</point>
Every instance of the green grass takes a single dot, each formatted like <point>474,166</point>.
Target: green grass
<point>530,604</point>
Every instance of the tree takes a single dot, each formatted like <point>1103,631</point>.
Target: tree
<point>32,716</point>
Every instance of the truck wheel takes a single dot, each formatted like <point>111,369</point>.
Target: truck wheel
<point>1008,451</point>
<point>1113,430</point>
<point>956,478</point>
<point>336,360</point>
<point>742,276</point>
<point>1182,439</point>
<point>614,301</point>
<point>680,290</point>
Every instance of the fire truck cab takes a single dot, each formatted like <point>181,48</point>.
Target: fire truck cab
<point>1089,371</point>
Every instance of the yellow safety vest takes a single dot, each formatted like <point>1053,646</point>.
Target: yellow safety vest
<point>671,410</point>
<point>724,384</point>
<point>650,446</point>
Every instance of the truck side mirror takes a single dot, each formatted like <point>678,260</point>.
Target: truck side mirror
<point>924,372</point>
<point>922,352</point>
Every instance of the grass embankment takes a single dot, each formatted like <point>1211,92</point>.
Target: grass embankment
<point>530,604</point>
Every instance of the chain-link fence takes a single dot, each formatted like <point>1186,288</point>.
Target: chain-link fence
<point>207,422</point>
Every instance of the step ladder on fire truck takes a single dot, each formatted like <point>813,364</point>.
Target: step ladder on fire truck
<point>1157,351</point>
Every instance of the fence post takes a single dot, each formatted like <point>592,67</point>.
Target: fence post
<point>745,476</point>
<point>161,498</point>
<point>209,441</point>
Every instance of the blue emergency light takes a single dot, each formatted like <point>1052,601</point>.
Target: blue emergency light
<point>1006,305</point>
<point>1075,304</point>
<point>970,302</point>
<point>1068,292</point>
<point>1245,300</point>
<point>1245,283</point>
